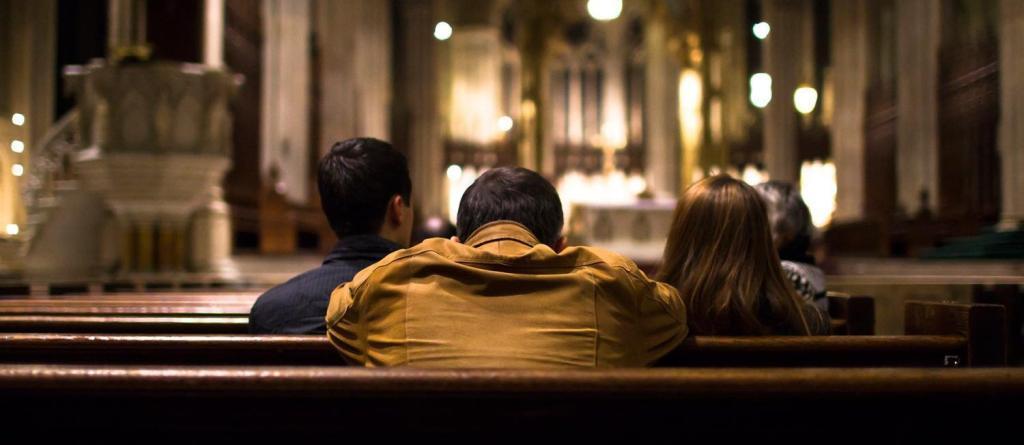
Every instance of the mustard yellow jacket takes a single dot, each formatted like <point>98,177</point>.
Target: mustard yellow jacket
<point>503,299</point>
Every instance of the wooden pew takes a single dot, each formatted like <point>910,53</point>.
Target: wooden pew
<point>938,335</point>
<point>317,403</point>
<point>851,314</point>
<point>910,350</point>
<point>163,313</point>
<point>185,313</point>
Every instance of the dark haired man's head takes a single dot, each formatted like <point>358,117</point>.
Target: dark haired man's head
<point>365,189</point>
<point>513,194</point>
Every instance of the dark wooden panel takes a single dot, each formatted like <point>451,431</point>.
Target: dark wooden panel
<point>828,351</point>
<point>241,404</point>
<point>174,28</point>
<point>243,44</point>
<point>969,190</point>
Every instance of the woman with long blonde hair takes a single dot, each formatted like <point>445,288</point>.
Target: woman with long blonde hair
<point>721,257</point>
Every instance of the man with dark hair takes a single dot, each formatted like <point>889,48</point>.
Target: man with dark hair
<point>505,292</point>
<point>364,192</point>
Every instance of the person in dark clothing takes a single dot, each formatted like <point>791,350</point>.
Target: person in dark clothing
<point>365,193</point>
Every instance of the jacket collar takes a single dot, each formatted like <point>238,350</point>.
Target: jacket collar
<point>367,246</point>
<point>502,230</point>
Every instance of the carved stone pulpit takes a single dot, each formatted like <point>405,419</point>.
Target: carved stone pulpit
<point>155,144</point>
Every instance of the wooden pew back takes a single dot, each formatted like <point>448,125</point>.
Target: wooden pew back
<point>207,403</point>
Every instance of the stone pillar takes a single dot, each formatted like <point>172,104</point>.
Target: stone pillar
<point>210,249</point>
<point>788,52</point>
<point>27,84</point>
<point>213,33</point>
<point>1011,113</point>
<point>354,43</point>
<point>917,60</point>
<point>126,23</point>
<point>850,83</point>
<point>422,105</point>
<point>661,109</point>
<point>614,128</point>
<point>474,100</point>
<point>285,109</point>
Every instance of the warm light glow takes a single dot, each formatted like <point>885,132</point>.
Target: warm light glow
<point>17,146</point>
<point>442,31</point>
<point>505,124</point>
<point>17,169</point>
<point>753,176</point>
<point>804,99</point>
<point>613,135</point>
<point>691,120</point>
<point>457,185</point>
<point>760,90</point>
<point>818,188</point>
<point>454,172</point>
<point>614,187</point>
<point>761,30</point>
<point>18,119</point>
<point>13,229</point>
<point>604,10</point>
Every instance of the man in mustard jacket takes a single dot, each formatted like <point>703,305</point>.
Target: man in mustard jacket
<point>505,292</point>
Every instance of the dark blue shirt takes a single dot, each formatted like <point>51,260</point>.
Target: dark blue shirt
<point>299,305</point>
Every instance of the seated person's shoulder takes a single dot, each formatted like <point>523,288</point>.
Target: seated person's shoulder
<point>424,251</point>
<point>600,257</point>
<point>285,308</point>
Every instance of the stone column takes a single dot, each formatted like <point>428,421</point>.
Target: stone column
<point>285,110</point>
<point>850,82</point>
<point>917,54</point>
<point>1011,117</point>
<point>126,23</point>
<point>420,78</point>
<point>787,55</point>
<point>661,109</point>
<point>614,128</point>
<point>474,100</point>
<point>27,84</point>
<point>213,33</point>
<point>210,249</point>
<point>354,43</point>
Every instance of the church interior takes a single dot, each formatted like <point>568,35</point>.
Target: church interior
<point>158,172</point>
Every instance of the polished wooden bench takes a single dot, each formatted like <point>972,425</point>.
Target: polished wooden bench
<point>164,313</point>
<point>185,313</point>
<point>937,335</point>
<point>330,403</point>
<point>909,350</point>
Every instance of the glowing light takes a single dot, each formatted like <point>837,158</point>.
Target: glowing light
<point>442,31</point>
<point>17,146</point>
<point>17,169</point>
<point>804,99</point>
<point>604,10</point>
<point>505,123</point>
<point>613,135</point>
<point>761,30</point>
<point>18,119</point>
<point>818,188</point>
<point>615,187</point>
<point>457,187</point>
<point>13,229</point>
<point>454,172</point>
<point>753,176</point>
<point>691,119</point>
<point>760,90</point>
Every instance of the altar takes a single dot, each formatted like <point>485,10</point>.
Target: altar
<point>637,230</point>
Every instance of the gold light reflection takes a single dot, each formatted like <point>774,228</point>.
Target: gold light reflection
<point>818,188</point>
<point>691,123</point>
